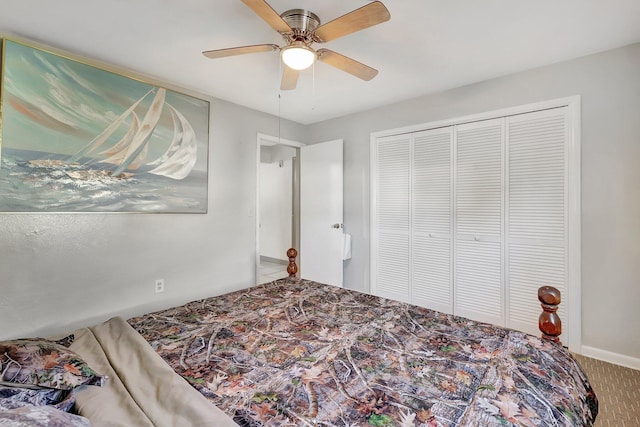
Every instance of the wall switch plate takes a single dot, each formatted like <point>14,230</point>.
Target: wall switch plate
<point>159,285</point>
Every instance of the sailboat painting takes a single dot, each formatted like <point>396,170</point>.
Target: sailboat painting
<point>78,138</point>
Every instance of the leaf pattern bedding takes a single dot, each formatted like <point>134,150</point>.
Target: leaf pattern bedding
<point>41,416</point>
<point>33,407</point>
<point>291,353</point>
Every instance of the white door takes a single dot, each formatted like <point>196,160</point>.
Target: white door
<point>537,225</point>
<point>478,207</point>
<point>321,229</point>
<point>431,221</point>
<point>392,218</point>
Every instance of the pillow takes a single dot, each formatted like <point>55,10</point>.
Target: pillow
<point>44,363</point>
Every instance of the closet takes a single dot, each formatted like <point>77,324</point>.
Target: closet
<point>471,216</point>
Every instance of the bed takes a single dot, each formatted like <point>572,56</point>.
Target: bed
<point>296,352</point>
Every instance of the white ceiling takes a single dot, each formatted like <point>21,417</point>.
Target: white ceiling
<point>427,46</point>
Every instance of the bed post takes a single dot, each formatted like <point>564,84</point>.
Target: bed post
<point>549,322</point>
<point>292,268</point>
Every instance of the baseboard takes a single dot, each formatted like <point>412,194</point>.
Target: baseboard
<point>273,260</point>
<point>607,356</point>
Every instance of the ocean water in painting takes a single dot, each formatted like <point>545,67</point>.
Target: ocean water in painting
<point>31,181</point>
<point>77,138</point>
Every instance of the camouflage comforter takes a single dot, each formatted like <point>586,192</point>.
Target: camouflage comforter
<point>302,353</point>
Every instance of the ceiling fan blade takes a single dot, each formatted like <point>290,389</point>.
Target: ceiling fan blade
<point>347,64</point>
<point>270,16</point>
<point>367,16</point>
<point>289,78</point>
<point>232,51</point>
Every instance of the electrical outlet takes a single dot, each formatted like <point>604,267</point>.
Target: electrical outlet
<point>159,285</point>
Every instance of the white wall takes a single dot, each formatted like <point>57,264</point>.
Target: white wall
<point>61,271</point>
<point>609,84</point>
<point>276,208</point>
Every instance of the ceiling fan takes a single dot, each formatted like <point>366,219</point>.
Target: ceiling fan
<point>300,29</point>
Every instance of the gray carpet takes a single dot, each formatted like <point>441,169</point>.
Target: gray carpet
<point>618,391</point>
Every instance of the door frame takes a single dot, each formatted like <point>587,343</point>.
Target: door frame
<point>272,140</point>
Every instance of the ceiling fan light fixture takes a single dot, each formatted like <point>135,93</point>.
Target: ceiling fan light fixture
<point>298,56</point>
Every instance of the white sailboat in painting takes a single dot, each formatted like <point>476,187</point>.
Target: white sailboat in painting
<point>130,152</point>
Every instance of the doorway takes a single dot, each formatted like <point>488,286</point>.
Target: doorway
<point>277,205</point>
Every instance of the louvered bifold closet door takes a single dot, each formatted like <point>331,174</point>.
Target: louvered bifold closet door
<point>478,272</point>
<point>392,217</point>
<point>537,213</point>
<point>431,219</point>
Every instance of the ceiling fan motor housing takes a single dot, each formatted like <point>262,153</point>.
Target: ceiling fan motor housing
<point>303,23</point>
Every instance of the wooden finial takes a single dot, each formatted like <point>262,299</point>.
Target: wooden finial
<point>292,268</point>
<point>549,322</point>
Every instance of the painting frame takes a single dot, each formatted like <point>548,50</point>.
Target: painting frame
<point>80,136</point>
